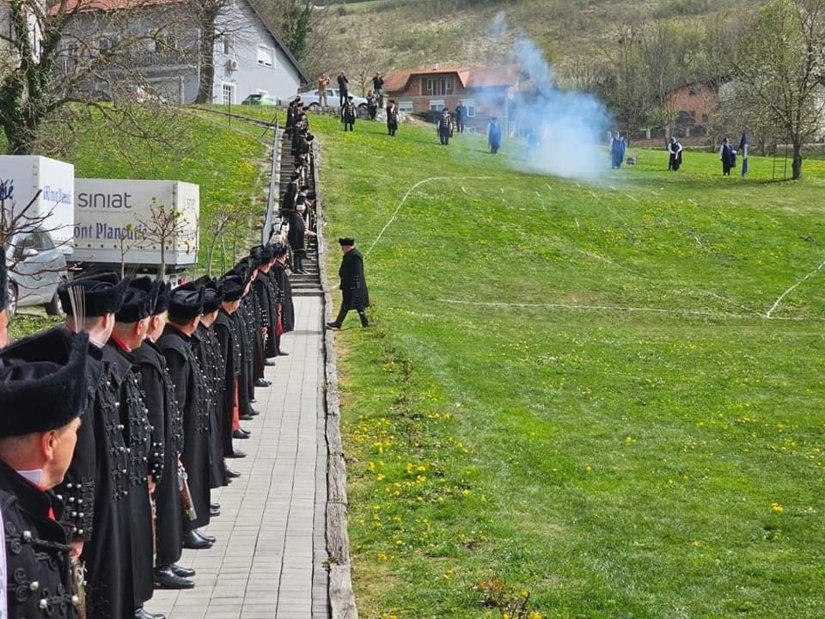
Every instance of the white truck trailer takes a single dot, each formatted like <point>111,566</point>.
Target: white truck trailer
<point>116,222</point>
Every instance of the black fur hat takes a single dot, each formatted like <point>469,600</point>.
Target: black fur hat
<point>213,296</point>
<point>138,301</point>
<point>163,290</point>
<point>186,301</point>
<point>346,242</point>
<point>233,286</point>
<point>43,382</point>
<point>102,293</point>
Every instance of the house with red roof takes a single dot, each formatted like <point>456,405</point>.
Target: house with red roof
<point>160,40</point>
<point>485,90</point>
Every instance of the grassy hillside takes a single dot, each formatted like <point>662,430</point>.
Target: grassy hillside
<point>376,35</point>
<point>603,397</point>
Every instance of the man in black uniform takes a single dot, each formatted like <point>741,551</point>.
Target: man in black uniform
<point>167,424</point>
<point>145,446</point>
<point>392,117</point>
<point>353,284</point>
<point>286,309</point>
<point>348,114</point>
<point>185,308</point>
<point>230,348</point>
<point>96,486</point>
<point>42,397</point>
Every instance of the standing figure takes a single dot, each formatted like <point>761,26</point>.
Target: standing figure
<point>323,82</point>
<point>43,401</point>
<point>494,135</point>
<point>460,117</point>
<point>674,149</point>
<point>378,85</point>
<point>444,126</point>
<point>743,148</point>
<point>728,156</point>
<point>392,117</point>
<point>343,88</point>
<point>348,114</point>
<point>618,147</point>
<point>353,285</point>
<point>185,308</point>
<point>372,104</point>
<point>167,423</point>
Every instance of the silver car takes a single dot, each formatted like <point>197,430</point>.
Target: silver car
<point>312,100</point>
<point>36,268</point>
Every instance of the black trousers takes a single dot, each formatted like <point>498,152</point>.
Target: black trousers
<point>362,314</point>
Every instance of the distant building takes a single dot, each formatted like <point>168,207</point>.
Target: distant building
<point>160,38</point>
<point>692,104</point>
<point>484,91</point>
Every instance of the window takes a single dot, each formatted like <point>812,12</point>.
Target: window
<point>266,56</point>
<point>427,86</point>
<point>227,93</point>
<point>446,84</point>
<point>405,106</point>
<point>436,105</point>
<point>228,43</point>
<point>470,104</point>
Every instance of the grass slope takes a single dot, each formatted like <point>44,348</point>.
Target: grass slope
<point>575,389</point>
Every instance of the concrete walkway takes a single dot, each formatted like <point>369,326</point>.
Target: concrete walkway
<point>269,559</point>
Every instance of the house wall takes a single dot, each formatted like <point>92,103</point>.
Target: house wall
<point>696,101</point>
<point>246,34</point>
<point>483,103</point>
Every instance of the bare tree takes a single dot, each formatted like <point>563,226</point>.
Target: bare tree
<point>161,229</point>
<point>782,66</point>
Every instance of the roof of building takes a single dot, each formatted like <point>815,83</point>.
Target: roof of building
<point>470,77</point>
<point>87,6</point>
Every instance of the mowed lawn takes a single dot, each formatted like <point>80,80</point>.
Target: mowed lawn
<point>604,397</point>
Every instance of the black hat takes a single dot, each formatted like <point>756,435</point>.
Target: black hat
<point>233,286</point>
<point>261,255</point>
<point>186,301</point>
<point>279,249</point>
<point>43,382</point>
<point>346,242</point>
<point>244,270</point>
<point>4,281</point>
<point>213,296</point>
<point>138,301</point>
<point>163,290</point>
<point>102,293</point>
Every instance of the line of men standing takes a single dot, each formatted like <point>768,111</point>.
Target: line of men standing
<point>115,427</point>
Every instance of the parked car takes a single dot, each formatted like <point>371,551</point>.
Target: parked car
<point>263,100</point>
<point>310,98</point>
<point>36,268</point>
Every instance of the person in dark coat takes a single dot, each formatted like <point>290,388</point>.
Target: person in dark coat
<point>343,89</point>
<point>43,394</point>
<point>728,156</point>
<point>207,350</point>
<point>378,84</point>
<point>444,127</point>
<point>372,104</point>
<point>99,475</point>
<point>353,285</point>
<point>297,238</point>
<point>244,325</point>
<point>145,447</point>
<point>167,425</point>
<point>494,135</point>
<point>618,147</point>
<point>285,306</point>
<point>674,149</point>
<point>460,114</point>
<point>348,114</point>
<point>266,307</point>
<point>230,348</point>
<point>392,117</point>
<point>185,308</point>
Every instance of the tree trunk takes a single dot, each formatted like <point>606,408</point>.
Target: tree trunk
<point>796,166</point>
<point>206,53</point>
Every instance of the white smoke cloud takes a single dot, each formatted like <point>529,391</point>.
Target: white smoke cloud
<point>565,130</point>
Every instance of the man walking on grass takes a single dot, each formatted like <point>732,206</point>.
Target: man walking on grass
<point>353,285</point>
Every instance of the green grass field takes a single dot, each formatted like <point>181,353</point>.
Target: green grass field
<point>603,397</point>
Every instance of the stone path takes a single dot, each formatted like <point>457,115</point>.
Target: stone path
<point>268,561</point>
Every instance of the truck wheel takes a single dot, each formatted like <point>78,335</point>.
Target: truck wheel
<point>11,304</point>
<point>53,307</point>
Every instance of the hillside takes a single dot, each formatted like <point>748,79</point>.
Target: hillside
<point>364,37</point>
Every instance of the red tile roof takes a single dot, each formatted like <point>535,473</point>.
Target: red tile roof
<point>87,6</point>
<point>470,77</point>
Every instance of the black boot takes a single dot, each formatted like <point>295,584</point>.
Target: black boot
<point>166,578</point>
